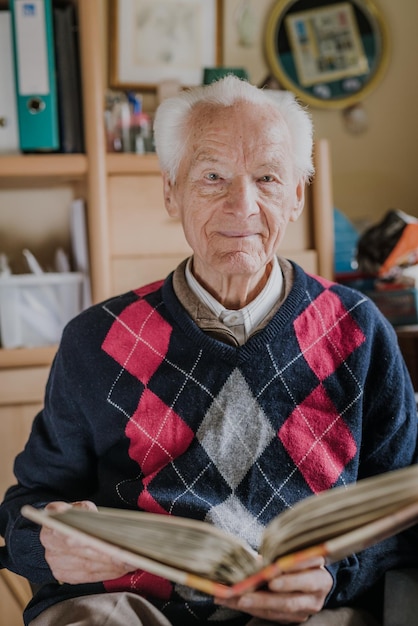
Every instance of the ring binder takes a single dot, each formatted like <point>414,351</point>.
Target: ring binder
<point>33,46</point>
<point>9,139</point>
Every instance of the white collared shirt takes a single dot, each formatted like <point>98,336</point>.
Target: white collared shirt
<point>242,321</point>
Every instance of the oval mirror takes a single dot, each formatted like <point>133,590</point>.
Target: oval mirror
<point>331,53</point>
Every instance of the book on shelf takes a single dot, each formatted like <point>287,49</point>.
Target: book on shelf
<point>68,79</point>
<point>332,524</point>
<point>9,134</point>
<point>34,68</point>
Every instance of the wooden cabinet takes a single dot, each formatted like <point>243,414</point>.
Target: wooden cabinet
<point>132,240</point>
<point>22,380</point>
<point>144,242</point>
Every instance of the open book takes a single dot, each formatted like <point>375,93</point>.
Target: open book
<point>333,524</point>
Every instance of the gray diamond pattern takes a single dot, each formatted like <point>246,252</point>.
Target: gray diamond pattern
<point>234,441</point>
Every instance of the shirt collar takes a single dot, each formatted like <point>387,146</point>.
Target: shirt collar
<point>242,321</point>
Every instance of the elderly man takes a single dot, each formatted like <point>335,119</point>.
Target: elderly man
<point>226,393</point>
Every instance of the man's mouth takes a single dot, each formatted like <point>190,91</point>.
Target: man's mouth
<point>237,234</point>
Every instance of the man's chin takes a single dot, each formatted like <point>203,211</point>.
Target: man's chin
<point>239,262</point>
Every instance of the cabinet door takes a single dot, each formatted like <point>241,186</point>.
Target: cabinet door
<point>145,243</point>
<point>15,593</point>
<point>20,399</point>
<point>15,424</point>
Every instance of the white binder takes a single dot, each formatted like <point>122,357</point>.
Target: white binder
<point>9,134</point>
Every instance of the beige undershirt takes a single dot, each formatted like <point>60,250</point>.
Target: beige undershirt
<point>210,321</point>
<point>241,321</point>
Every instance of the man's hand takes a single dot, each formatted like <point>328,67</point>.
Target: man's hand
<point>73,562</point>
<point>291,598</point>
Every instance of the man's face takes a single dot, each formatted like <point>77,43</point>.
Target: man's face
<point>236,190</point>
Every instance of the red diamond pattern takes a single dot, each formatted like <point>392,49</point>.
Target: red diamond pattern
<point>138,340</point>
<point>324,342</point>
<point>157,434</point>
<point>146,501</point>
<point>318,441</point>
<point>143,583</point>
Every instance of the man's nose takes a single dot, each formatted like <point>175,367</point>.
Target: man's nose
<point>242,197</point>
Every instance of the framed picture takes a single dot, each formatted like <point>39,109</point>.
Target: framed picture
<point>152,41</point>
<point>326,44</point>
<point>331,53</point>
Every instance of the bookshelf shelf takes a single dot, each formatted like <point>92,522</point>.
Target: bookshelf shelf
<point>18,168</point>
<point>67,176</point>
<point>61,177</point>
<point>26,357</point>
<point>132,163</point>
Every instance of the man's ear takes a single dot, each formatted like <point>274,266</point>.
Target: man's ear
<point>170,200</point>
<point>299,199</point>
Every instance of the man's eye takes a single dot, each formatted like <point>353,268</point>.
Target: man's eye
<point>267,179</point>
<point>213,176</point>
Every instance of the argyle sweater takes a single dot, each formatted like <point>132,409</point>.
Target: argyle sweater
<point>145,410</point>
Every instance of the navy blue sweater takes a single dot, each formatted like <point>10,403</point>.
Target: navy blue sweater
<point>145,410</point>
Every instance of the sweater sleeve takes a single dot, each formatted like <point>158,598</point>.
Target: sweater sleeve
<point>57,463</point>
<point>389,441</point>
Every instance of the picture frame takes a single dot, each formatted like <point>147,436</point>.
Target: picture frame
<point>326,44</point>
<point>330,53</point>
<point>152,41</point>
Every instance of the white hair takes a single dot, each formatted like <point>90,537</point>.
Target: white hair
<point>172,120</point>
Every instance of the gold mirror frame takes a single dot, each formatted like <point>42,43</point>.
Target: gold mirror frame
<point>330,53</point>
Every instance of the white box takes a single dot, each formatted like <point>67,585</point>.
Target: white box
<point>35,308</point>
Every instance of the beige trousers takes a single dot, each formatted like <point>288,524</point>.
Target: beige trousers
<point>129,609</point>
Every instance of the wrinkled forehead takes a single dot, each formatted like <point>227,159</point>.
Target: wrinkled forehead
<point>257,123</point>
<point>206,114</point>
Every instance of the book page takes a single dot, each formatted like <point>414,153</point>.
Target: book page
<point>334,512</point>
